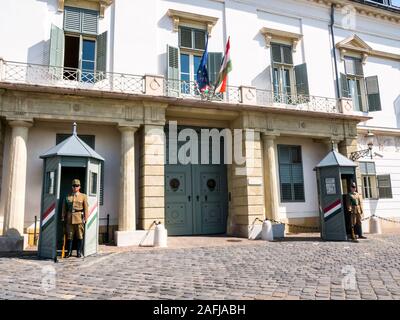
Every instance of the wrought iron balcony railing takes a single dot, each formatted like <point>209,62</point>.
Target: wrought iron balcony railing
<point>190,89</point>
<point>27,73</point>
<point>297,102</point>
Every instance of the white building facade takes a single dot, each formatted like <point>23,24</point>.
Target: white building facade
<point>306,75</point>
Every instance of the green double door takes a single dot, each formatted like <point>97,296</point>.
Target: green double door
<point>196,199</point>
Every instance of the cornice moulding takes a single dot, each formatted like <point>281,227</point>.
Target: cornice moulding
<point>183,16</point>
<point>99,5</point>
<point>270,34</point>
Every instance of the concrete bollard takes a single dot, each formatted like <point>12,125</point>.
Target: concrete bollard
<point>375,225</point>
<point>160,236</point>
<point>266,232</point>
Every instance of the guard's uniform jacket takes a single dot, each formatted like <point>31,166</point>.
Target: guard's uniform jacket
<point>355,207</point>
<point>75,210</point>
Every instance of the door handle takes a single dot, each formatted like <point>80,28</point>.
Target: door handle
<point>197,198</point>
<point>205,198</point>
<point>189,198</point>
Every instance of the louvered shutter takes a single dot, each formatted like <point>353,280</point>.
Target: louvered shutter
<point>374,98</point>
<point>81,20</point>
<point>344,86</point>
<point>56,50</point>
<point>185,35</point>
<point>353,66</point>
<point>301,79</point>
<point>173,70</point>
<point>287,54</point>
<point>101,54</point>
<point>213,66</point>
<point>89,20</point>
<point>276,53</point>
<point>72,19</point>
<point>199,39</point>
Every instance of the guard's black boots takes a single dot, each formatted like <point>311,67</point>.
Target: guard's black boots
<point>69,245</point>
<point>79,248</point>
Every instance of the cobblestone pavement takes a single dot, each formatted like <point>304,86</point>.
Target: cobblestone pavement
<point>295,268</point>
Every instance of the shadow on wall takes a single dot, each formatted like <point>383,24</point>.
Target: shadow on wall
<point>39,53</point>
<point>263,79</point>
<point>397,111</point>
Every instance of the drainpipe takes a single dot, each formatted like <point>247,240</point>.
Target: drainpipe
<point>334,49</point>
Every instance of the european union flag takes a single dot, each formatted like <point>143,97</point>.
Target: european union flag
<point>202,74</point>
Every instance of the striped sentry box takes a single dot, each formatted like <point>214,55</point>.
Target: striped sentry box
<point>92,214</point>
<point>332,210</point>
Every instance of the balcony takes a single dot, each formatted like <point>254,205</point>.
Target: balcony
<point>111,82</point>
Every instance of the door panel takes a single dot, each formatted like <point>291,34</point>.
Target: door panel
<point>49,211</point>
<point>178,200</point>
<point>210,211</point>
<point>93,194</point>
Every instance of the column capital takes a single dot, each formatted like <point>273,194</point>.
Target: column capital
<point>269,135</point>
<point>27,123</point>
<point>124,128</point>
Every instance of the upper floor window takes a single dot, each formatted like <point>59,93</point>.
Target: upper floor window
<point>290,83</point>
<point>77,51</point>
<point>390,3</point>
<point>184,60</point>
<point>364,91</point>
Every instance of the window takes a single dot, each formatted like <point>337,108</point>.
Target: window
<point>369,182</point>
<point>291,173</point>
<point>50,177</point>
<point>364,91</point>
<point>384,186</point>
<point>78,52</point>
<point>192,44</point>
<point>93,183</point>
<point>290,83</point>
<point>184,61</point>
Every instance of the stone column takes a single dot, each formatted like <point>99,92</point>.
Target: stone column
<point>127,205</point>
<point>14,212</point>
<point>247,202</point>
<point>270,177</point>
<point>152,160</point>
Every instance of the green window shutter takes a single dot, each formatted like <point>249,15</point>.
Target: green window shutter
<point>57,50</point>
<point>287,54</point>
<point>276,53</point>
<point>185,37</point>
<point>173,71</point>
<point>213,66</point>
<point>199,39</point>
<point>384,186</point>
<point>344,86</point>
<point>301,79</point>
<point>72,19</point>
<point>374,98</point>
<point>89,20</point>
<point>101,52</point>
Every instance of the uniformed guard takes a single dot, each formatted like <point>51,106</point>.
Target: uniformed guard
<point>355,207</point>
<point>75,212</point>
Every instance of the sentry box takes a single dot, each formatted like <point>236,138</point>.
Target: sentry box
<point>335,173</point>
<point>68,160</point>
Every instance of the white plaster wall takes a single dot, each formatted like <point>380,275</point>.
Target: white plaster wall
<point>42,136</point>
<point>312,154</point>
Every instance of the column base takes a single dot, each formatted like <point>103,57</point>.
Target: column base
<point>134,238</point>
<point>13,244</point>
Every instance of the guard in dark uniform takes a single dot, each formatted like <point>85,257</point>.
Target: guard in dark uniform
<point>355,207</point>
<point>74,213</point>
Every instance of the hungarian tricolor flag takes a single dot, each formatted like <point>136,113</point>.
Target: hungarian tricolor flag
<point>226,66</point>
